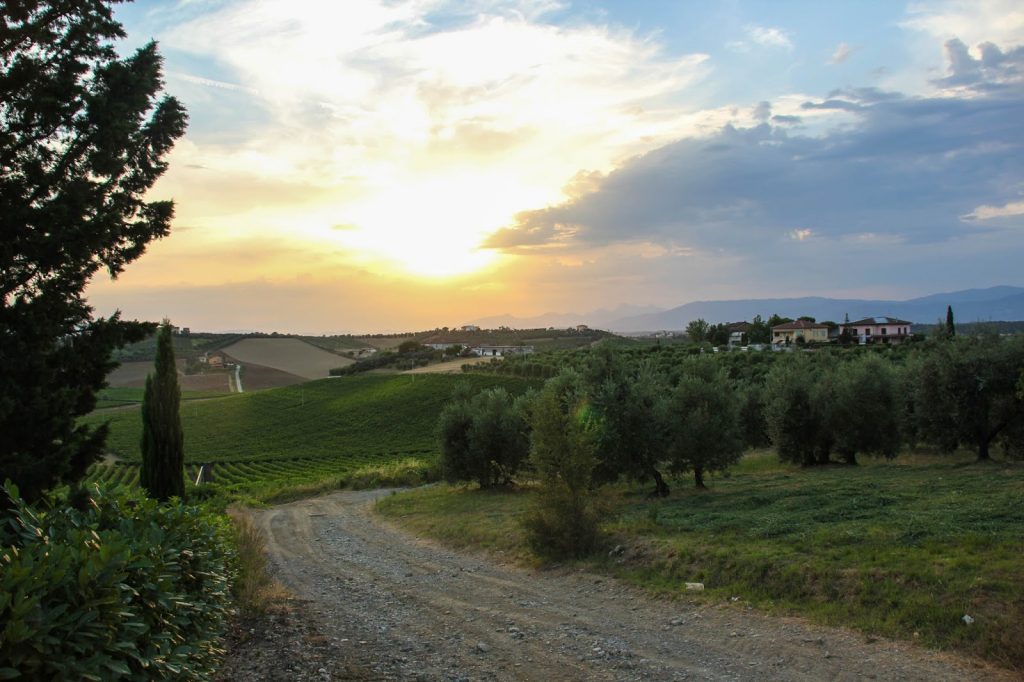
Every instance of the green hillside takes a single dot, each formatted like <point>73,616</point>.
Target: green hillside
<point>358,416</point>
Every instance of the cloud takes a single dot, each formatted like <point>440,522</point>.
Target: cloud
<point>841,53</point>
<point>899,171</point>
<point>992,69</point>
<point>769,37</point>
<point>1012,209</point>
<point>209,82</point>
<point>405,118</point>
<point>972,21</point>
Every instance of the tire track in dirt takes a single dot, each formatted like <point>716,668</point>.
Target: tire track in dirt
<point>409,609</point>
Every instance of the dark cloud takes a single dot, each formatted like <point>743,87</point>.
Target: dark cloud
<point>994,70</point>
<point>905,171</point>
<point>783,119</point>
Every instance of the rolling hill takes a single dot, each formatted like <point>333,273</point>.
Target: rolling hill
<point>366,415</point>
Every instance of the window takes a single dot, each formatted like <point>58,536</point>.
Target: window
<point>885,331</point>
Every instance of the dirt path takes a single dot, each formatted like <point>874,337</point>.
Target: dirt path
<point>402,608</point>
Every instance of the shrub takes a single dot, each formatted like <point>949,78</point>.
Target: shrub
<point>122,589</point>
<point>564,521</point>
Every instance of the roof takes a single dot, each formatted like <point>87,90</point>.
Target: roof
<point>868,321</point>
<point>738,326</point>
<point>799,324</point>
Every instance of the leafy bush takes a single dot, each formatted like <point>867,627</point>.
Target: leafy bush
<point>482,437</point>
<point>563,449</point>
<point>121,588</point>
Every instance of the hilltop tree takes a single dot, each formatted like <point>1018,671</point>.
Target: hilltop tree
<point>950,325</point>
<point>83,135</point>
<point>697,330</point>
<point>162,474</point>
<point>760,332</point>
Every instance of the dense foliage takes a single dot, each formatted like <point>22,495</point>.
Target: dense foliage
<point>83,135</point>
<point>483,437</point>
<point>121,589</point>
<point>811,405</point>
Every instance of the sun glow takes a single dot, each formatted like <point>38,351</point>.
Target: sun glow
<point>432,228</point>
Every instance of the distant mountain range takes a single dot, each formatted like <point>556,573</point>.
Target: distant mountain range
<point>1002,303</point>
<point>600,319</point>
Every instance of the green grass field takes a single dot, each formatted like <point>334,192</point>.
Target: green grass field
<point>122,396</point>
<point>314,434</point>
<point>901,549</point>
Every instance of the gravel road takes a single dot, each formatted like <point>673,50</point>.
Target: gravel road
<point>374,599</point>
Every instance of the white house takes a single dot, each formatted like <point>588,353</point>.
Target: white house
<point>501,351</point>
<point>879,330</point>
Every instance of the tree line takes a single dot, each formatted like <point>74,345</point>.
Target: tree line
<point>699,413</point>
<point>613,414</point>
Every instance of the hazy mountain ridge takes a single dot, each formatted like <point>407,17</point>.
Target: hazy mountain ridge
<point>600,318</point>
<point>1004,303</point>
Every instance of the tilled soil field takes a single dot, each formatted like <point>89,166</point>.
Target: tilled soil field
<point>372,602</point>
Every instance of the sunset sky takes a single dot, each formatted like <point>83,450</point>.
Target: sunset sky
<point>364,165</point>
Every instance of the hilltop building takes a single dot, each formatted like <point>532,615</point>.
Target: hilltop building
<point>879,330</point>
<point>501,351</point>
<point>738,333</point>
<point>789,332</point>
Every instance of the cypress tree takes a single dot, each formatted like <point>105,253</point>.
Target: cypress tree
<point>950,327</point>
<point>163,451</point>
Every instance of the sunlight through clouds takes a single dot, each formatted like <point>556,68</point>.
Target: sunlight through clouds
<point>448,125</point>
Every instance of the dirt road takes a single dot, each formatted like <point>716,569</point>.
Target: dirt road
<point>401,608</point>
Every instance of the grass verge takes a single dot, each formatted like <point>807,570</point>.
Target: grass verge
<point>902,549</point>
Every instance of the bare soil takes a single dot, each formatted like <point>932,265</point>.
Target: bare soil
<point>133,375</point>
<point>372,602</point>
<point>287,355</point>
<point>447,367</point>
<point>385,342</point>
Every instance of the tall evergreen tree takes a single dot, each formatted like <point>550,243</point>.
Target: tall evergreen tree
<point>162,474</point>
<point>83,134</point>
<point>950,326</point>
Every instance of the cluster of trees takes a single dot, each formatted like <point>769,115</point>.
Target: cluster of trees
<point>698,413</point>
<point>408,355</point>
<point>954,392</point>
<point>643,421</point>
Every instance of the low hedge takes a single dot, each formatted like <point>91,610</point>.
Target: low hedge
<point>120,588</point>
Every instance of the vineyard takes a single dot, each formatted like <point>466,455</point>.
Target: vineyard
<point>308,432</point>
<point>245,474</point>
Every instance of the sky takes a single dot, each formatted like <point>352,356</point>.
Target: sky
<point>388,165</point>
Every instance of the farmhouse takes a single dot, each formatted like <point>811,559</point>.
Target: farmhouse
<point>789,332</point>
<point>879,330</point>
<point>737,333</point>
<point>444,346</point>
<point>214,360</point>
<point>501,351</point>
<point>470,328</point>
